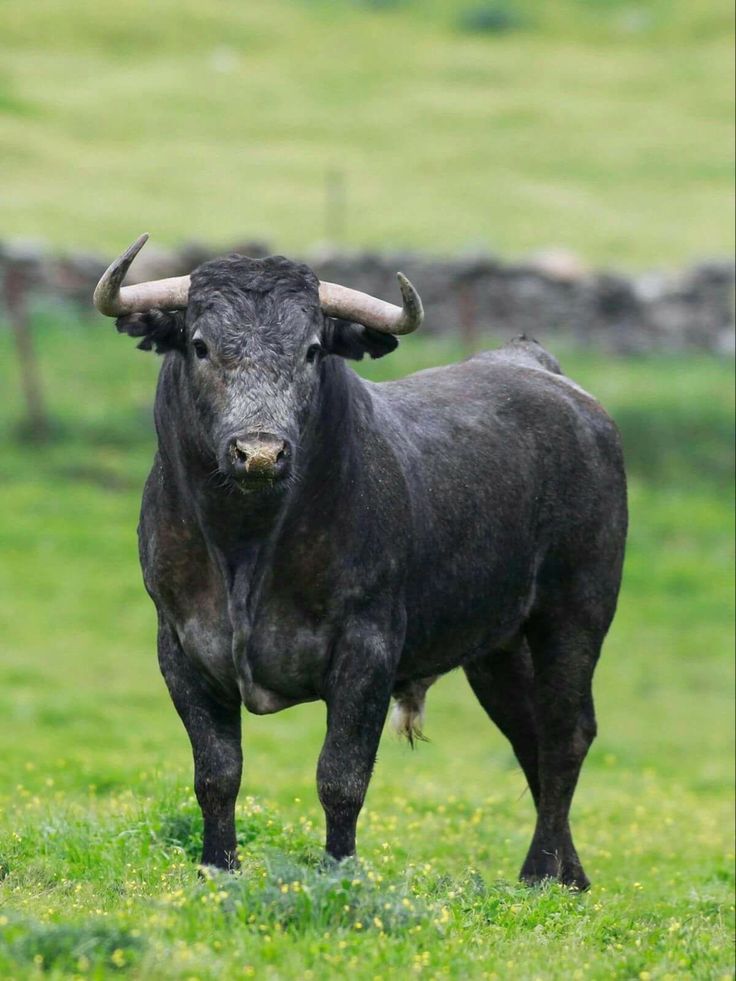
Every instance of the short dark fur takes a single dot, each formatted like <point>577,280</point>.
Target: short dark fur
<point>472,515</point>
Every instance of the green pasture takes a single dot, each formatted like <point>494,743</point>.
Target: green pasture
<point>99,831</point>
<point>511,125</point>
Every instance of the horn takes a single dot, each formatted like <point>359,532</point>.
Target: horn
<point>362,308</point>
<point>112,299</point>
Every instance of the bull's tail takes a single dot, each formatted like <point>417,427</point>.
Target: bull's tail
<point>408,715</point>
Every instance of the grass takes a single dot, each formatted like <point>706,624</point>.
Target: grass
<point>604,125</point>
<point>99,831</point>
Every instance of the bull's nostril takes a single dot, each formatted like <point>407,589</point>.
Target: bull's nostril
<point>240,451</point>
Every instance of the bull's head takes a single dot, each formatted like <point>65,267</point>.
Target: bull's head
<point>253,335</point>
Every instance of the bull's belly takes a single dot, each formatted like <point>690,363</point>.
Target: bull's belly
<point>444,641</point>
<point>444,652</point>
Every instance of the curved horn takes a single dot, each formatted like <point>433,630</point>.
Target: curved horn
<point>113,300</point>
<point>362,308</point>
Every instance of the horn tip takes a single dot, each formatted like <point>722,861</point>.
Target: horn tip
<point>406,285</point>
<point>125,260</point>
<point>106,297</point>
<point>135,248</point>
<point>413,309</point>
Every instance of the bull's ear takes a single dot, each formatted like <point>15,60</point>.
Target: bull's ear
<point>354,340</point>
<point>160,330</point>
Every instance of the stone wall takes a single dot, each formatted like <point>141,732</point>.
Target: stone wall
<point>550,296</point>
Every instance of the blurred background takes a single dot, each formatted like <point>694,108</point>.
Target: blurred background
<point>509,125</point>
<point>564,169</point>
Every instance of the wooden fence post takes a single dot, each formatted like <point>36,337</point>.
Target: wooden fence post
<point>38,427</point>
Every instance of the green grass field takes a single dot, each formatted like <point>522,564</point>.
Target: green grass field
<point>602,125</point>
<point>99,831</point>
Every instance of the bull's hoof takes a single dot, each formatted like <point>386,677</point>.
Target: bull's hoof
<point>549,868</point>
<point>216,864</point>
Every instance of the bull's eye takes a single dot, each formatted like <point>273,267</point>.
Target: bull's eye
<point>200,348</point>
<point>313,352</point>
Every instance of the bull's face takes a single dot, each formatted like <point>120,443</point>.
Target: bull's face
<point>253,342</point>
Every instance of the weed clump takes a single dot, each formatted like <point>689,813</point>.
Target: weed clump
<point>76,947</point>
<point>284,894</point>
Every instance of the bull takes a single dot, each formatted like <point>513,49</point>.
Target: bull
<point>308,535</point>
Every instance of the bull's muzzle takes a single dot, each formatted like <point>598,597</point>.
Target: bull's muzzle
<point>258,457</point>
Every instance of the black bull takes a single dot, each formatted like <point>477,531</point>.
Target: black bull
<point>308,535</point>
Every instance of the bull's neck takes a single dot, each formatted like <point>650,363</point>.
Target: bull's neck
<point>235,522</point>
<point>331,445</point>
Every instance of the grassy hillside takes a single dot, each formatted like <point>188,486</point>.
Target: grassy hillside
<point>98,828</point>
<point>599,124</point>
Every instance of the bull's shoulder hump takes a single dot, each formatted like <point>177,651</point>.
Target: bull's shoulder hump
<point>489,376</point>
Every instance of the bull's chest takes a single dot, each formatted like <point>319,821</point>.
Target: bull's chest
<point>271,653</point>
<point>280,655</point>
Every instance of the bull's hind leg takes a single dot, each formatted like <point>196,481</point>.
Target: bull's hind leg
<point>564,660</point>
<point>214,732</point>
<point>503,682</point>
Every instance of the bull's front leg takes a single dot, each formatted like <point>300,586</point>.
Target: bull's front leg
<point>358,694</point>
<point>213,728</point>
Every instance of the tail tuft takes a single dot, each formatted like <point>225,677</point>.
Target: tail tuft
<point>408,715</point>
<point>407,721</point>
